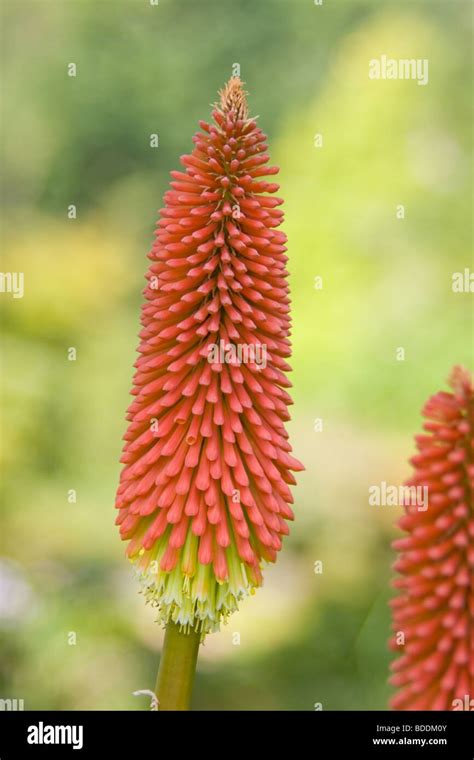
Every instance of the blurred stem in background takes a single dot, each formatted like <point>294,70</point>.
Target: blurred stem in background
<point>174,683</point>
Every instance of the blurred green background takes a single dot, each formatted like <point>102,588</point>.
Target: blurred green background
<point>305,638</point>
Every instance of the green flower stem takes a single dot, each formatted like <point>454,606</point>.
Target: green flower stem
<point>174,683</point>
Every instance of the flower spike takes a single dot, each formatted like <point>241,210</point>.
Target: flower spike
<point>433,615</point>
<point>204,495</point>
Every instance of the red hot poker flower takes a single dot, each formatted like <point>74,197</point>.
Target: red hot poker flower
<point>435,609</point>
<point>203,495</point>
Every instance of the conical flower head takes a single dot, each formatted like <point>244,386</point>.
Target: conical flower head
<point>433,616</point>
<point>204,493</point>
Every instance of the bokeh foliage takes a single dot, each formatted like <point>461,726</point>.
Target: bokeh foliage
<point>141,69</point>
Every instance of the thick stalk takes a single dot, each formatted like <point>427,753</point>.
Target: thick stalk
<point>174,683</point>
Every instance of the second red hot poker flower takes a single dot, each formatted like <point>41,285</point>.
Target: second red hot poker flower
<point>434,612</point>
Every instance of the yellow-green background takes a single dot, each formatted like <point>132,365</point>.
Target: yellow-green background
<point>141,69</point>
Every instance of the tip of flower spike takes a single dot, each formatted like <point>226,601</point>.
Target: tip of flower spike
<point>460,380</point>
<point>234,98</point>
